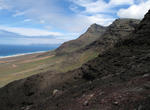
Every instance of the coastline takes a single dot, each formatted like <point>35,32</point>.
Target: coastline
<point>21,54</point>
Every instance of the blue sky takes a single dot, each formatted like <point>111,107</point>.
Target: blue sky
<point>56,21</point>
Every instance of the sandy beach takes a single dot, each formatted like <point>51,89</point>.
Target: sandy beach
<point>22,54</point>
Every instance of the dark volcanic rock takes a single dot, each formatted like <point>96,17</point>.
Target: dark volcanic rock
<point>135,44</point>
<point>95,28</point>
<point>118,79</point>
<point>119,30</point>
<point>99,38</point>
<point>96,40</point>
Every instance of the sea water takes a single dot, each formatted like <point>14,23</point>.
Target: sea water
<point>11,50</point>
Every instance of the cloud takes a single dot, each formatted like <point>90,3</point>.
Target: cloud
<point>92,6</point>
<point>3,5</point>
<point>42,21</point>
<point>29,41</point>
<point>99,11</point>
<point>82,13</point>
<point>19,13</point>
<point>30,31</point>
<point>101,6</point>
<point>27,20</point>
<point>121,2</point>
<point>101,19</point>
<point>47,12</point>
<point>7,37</point>
<point>135,11</point>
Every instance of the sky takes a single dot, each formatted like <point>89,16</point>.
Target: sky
<point>57,21</point>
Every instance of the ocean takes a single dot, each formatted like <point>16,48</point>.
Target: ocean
<point>11,50</point>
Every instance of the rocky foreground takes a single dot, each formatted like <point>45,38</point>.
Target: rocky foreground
<point>118,79</point>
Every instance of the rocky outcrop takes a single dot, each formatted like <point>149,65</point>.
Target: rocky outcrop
<point>99,37</point>
<point>119,30</point>
<point>131,48</point>
<point>96,40</point>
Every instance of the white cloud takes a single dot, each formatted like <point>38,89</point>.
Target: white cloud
<point>100,5</point>
<point>74,8</point>
<point>3,5</point>
<point>101,19</point>
<point>27,20</point>
<point>50,14</point>
<point>42,21</point>
<point>46,12</point>
<point>39,41</point>
<point>18,13</point>
<point>135,11</point>
<point>121,2</point>
<point>30,31</point>
<point>92,6</point>
<point>28,41</point>
<point>95,8</point>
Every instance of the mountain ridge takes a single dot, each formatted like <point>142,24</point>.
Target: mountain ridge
<point>116,79</point>
<point>92,33</point>
<point>61,61</point>
<point>123,23</point>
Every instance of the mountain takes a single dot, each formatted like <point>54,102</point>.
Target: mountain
<point>91,35</point>
<point>96,40</point>
<point>100,35</point>
<point>119,30</point>
<point>62,60</point>
<point>118,78</point>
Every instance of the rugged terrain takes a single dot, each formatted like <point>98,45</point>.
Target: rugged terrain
<point>92,34</point>
<point>118,79</point>
<point>70,55</point>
